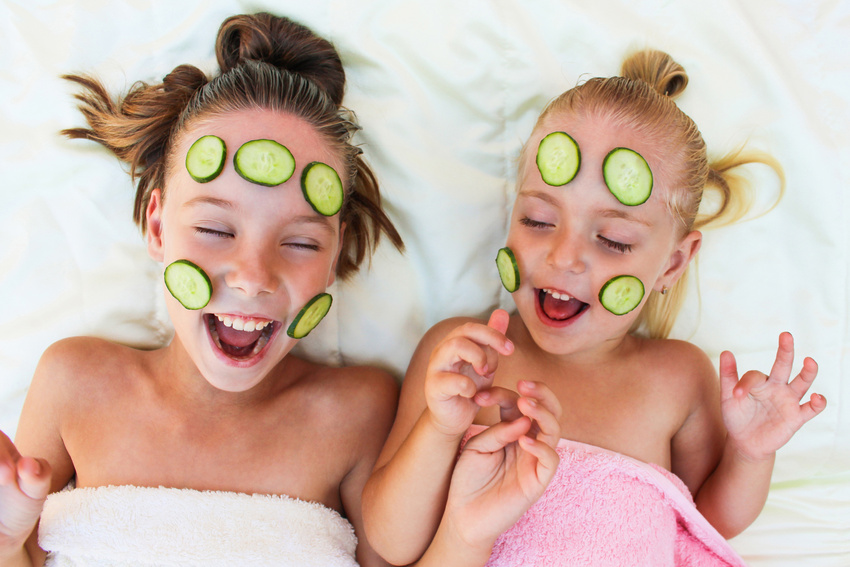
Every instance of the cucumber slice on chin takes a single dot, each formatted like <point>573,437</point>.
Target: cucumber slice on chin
<point>188,283</point>
<point>621,294</point>
<point>322,188</point>
<point>558,158</point>
<point>508,269</point>
<point>310,316</point>
<point>627,176</point>
<point>205,158</point>
<point>264,162</point>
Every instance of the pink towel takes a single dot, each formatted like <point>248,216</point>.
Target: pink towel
<point>604,508</point>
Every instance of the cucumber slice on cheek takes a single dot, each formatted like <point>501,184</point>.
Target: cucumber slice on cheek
<point>188,283</point>
<point>508,269</point>
<point>621,294</point>
<point>310,316</point>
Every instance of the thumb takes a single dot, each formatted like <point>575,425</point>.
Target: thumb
<point>34,477</point>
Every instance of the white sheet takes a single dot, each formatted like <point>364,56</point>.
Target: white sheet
<point>446,92</point>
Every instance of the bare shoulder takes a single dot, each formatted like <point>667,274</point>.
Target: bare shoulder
<point>81,362</point>
<point>358,396</point>
<point>684,361</point>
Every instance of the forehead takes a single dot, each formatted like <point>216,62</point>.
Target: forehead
<point>238,127</point>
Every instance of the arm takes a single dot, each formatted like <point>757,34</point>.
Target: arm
<point>36,464</point>
<point>500,474</point>
<point>761,413</point>
<point>374,407</point>
<point>403,501</point>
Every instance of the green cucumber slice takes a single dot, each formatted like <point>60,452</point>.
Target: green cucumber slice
<point>627,176</point>
<point>508,269</point>
<point>264,162</point>
<point>322,188</point>
<point>558,158</point>
<point>189,284</point>
<point>310,315</point>
<point>205,158</point>
<point>621,294</point>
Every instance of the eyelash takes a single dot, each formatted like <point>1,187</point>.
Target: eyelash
<point>218,233</point>
<point>530,223</point>
<point>616,246</point>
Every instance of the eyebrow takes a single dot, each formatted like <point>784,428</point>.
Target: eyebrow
<point>605,213</point>
<point>321,221</point>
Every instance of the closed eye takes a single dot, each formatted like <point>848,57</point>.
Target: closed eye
<point>218,233</point>
<point>302,246</point>
<point>531,223</point>
<point>614,245</point>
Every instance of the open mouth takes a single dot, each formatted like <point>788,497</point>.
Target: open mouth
<point>240,338</point>
<point>559,306</point>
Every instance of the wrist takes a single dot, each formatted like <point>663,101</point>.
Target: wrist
<point>453,549</point>
<point>737,453</point>
<point>448,434</point>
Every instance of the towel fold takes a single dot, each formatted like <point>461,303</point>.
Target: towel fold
<point>128,525</point>
<point>606,509</point>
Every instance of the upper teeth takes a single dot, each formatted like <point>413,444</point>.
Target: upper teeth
<point>558,295</point>
<point>241,324</point>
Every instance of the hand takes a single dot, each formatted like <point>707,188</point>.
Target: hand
<point>24,484</point>
<point>762,412</point>
<point>460,366</point>
<point>504,470</point>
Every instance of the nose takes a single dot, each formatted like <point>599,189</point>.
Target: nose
<point>253,272</point>
<point>567,252</point>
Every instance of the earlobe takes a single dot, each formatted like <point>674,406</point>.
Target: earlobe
<point>153,217</point>
<point>680,259</point>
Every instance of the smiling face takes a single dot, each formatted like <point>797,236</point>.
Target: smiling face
<point>570,240</point>
<point>265,250</point>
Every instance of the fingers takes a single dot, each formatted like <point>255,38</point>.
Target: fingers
<point>476,344</point>
<point>497,437</point>
<point>547,458</point>
<point>506,400</point>
<point>499,320</point>
<point>781,370</point>
<point>542,406</point>
<point>728,374</point>
<point>803,381</point>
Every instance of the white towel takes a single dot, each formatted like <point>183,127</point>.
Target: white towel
<point>128,525</point>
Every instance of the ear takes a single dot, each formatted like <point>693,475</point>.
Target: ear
<point>153,234</point>
<point>332,277</point>
<point>679,260</point>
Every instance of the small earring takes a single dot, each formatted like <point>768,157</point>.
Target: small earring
<point>664,290</point>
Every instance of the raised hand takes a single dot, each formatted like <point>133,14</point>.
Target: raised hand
<point>24,484</point>
<point>504,470</point>
<point>460,366</point>
<point>762,412</point>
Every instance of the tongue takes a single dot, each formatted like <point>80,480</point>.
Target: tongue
<point>234,338</point>
<point>558,309</point>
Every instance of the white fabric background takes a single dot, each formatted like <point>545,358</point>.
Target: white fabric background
<point>447,91</point>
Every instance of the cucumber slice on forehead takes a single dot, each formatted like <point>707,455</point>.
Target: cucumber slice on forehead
<point>322,188</point>
<point>558,158</point>
<point>264,162</point>
<point>621,294</point>
<point>205,158</point>
<point>310,315</point>
<point>188,283</point>
<point>508,269</point>
<point>627,176</point>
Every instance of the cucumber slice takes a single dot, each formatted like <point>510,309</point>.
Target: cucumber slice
<point>621,294</point>
<point>310,315</point>
<point>205,158</point>
<point>558,158</point>
<point>189,284</point>
<point>508,270</point>
<point>322,188</point>
<point>264,162</point>
<point>627,176</point>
